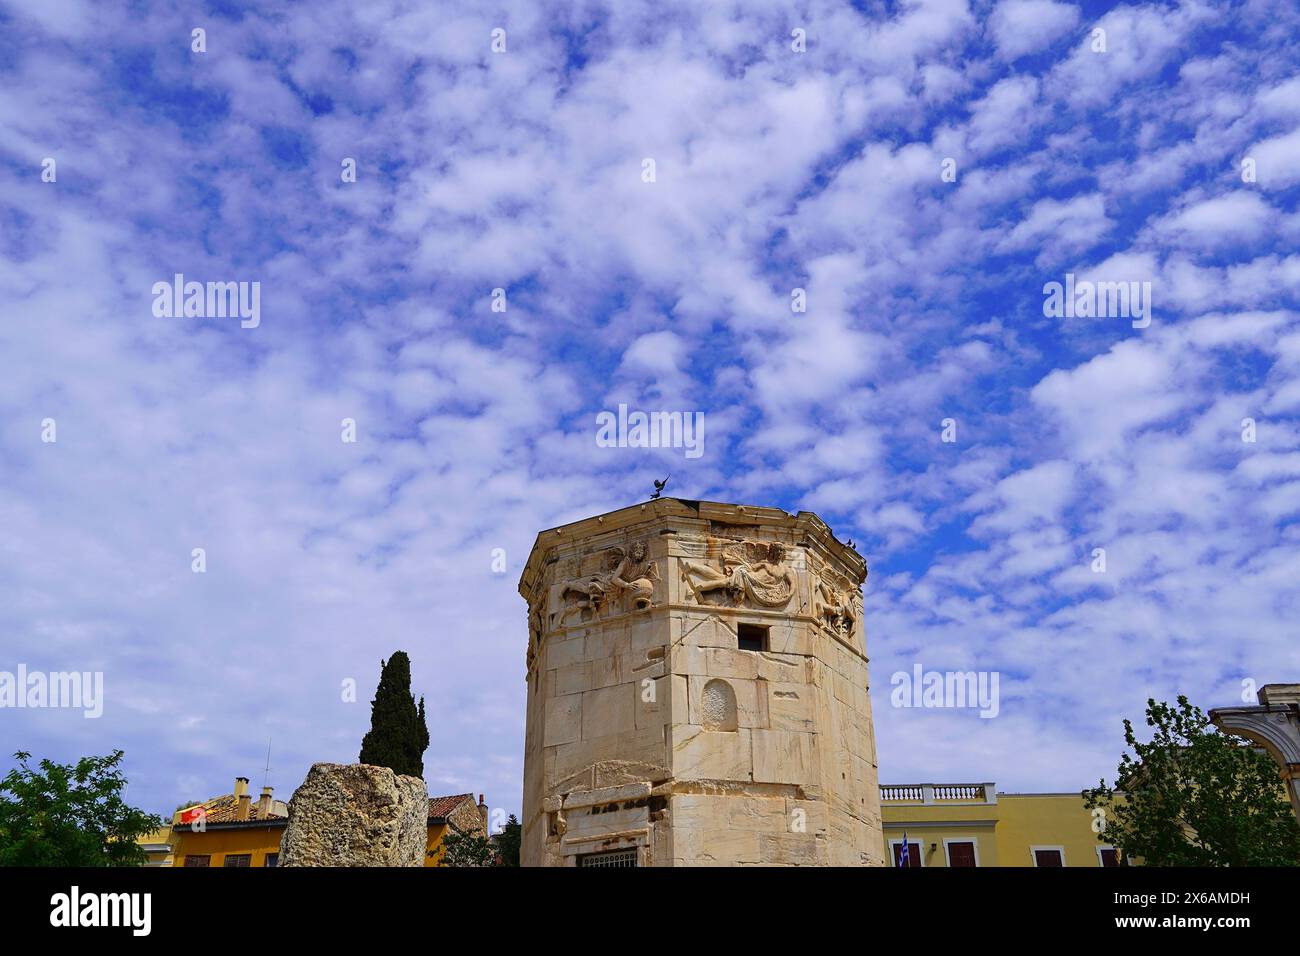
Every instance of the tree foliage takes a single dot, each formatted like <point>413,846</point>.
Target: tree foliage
<point>70,815</point>
<point>1194,797</point>
<point>398,735</point>
<point>508,841</point>
<point>468,849</point>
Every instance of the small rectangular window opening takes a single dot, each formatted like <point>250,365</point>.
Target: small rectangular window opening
<point>751,637</point>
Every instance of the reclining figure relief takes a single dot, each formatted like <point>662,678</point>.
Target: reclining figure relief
<point>750,570</point>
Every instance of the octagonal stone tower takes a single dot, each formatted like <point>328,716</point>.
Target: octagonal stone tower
<point>697,692</point>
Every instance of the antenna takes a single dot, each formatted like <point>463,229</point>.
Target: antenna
<point>266,771</point>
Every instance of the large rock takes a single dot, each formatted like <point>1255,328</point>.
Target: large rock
<point>356,815</point>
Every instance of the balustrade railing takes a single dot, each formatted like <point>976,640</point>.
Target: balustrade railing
<point>929,793</point>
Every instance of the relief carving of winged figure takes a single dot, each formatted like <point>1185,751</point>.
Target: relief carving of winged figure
<point>631,575</point>
<point>755,571</point>
<point>836,608</point>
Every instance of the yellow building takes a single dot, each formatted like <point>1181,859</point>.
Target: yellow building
<point>230,830</point>
<point>457,814</point>
<point>237,843</point>
<point>971,824</point>
<point>157,846</point>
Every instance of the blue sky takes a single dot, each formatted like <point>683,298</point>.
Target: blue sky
<point>521,170</point>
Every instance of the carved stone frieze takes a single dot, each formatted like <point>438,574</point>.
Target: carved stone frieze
<point>623,580</point>
<point>745,572</point>
<point>836,604</point>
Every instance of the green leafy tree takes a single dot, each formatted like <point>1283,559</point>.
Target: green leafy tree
<point>398,735</point>
<point>70,815</point>
<point>1194,797</point>
<point>468,849</point>
<point>508,841</point>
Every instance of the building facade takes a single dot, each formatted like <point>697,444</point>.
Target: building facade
<point>455,814</point>
<point>1273,724</point>
<point>158,847</point>
<point>232,831</point>
<point>697,692</point>
<point>238,843</point>
<point>971,824</point>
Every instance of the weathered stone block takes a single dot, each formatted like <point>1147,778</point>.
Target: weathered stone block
<point>651,707</point>
<point>609,710</point>
<point>789,707</point>
<point>790,849</point>
<point>750,698</point>
<point>782,756</point>
<point>573,678</point>
<point>356,815</point>
<point>729,662</point>
<point>714,846</point>
<point>564,720</point>
<point>568,650</point>
<point>767,814</point>
<point>700,754</point>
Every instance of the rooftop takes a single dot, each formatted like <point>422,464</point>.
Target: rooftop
<point>440,807</point>
<point>692,514</point>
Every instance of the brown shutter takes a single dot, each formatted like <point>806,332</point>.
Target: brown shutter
<point>913,853</point>
<point>961,854</point>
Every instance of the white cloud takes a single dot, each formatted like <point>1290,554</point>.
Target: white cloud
<point>1005,115</point>
<point>1026,26</point>
<point>1236,218</point>
<point>1059,228</point>
<point>1277,160</point>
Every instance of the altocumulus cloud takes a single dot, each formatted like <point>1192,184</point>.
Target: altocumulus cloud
<point>523,171</point>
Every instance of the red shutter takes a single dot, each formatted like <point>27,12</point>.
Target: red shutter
<point>913,853</point>
<point>961,854</point>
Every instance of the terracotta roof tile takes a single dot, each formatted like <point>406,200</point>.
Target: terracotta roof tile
<point>225,809</point>
<point>440,807</point>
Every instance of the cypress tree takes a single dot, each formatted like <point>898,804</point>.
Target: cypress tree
<point>398,735</point>
<point>423,727</point>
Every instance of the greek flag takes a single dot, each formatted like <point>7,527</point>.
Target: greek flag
<point>903,855</point>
